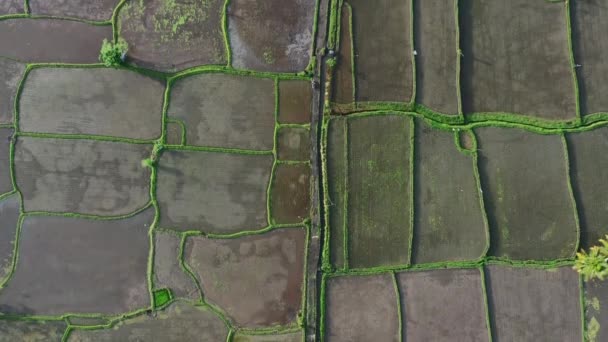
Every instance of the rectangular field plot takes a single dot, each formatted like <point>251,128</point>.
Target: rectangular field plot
<point>224,110</point>
<point>91,101</point>
<point>362,308</point>
<point>343,78</point>
<point>530,305</point>
<point>589,26</point>
<point>443,305</point>
<point>173,35</point>
<point>295,102</point>
<point>286,337</point>
<point>75,265</point>
<point>11,7</point>
<point>9,218</point>
<point>436,37</point>
<point>83,9</point>
<point>293,143</point>
<point>589,169</point>
<point>527,194</point>
<point>337,176</point>
<point>11,73</point>
<point>28,330</point>
<point>290,193</point>
<point>213,192</point>
<point>6,184</point>
<point>52,40</point>
<point>515,52</point>
<point>271,35</point>
<point>82,176</point>
<point>449,220</point>
<point>596,319</point>
<point>379,190</point>
<point>383,50</point>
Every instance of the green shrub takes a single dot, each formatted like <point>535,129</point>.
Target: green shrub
<point>111,53</point>
<point>593,264</point>
<point>162,297</point>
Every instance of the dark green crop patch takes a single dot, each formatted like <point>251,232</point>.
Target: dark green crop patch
<point>162,297</point>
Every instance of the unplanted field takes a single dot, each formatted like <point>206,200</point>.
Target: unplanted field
<point>178,322</point>
<point>596,320</point>
<point>449,220</point>
<point>436,37</point>
<point>12,7</point>
<point>175,134</point>
<point>443,305</point>
<point>168,271</point>
<point>223,110</point>
<point>530,304</point>
<point>516,58</point>
<point>290,193</point>
<point>295,101</point>
<point>589,170</point>
<point>287,337</point>
<point>530,207</point>
<point>214,192</point>
<point>170,36</point>
<point>82,9</point>
<point>97,101</point>
<point>31,331</point>
<point>379,188</point>
<point>11,73</point>
<point>79,320</point>
<point>293,143</point>
<point>337,173</point>
<point>6,183</point>
<point>383,50</point>
<point>590,48</point>
<point>272,35</point>
<point>362,308</point>
<point>52,40</point>
<point>9,218</point>
<point>343,81</point>
<point>75,265</point>
<point>257,279</point>
<point>82,176</point>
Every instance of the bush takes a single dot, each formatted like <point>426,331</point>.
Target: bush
<point>593,264</point>
<point>113,54</point>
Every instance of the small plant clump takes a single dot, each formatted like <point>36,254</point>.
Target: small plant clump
<point>162,297</point>
<point>593,264</point>
<point>113,54</point>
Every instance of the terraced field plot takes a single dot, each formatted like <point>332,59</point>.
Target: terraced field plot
<point>514,49</point>
<point>437,61</point>
<point>589,47</point>
<point>550,229</point>
<point>449,218</point>
<point>595,297</point>
<point>51,40</point>
<point>328,170</point>
<point>523,306</point>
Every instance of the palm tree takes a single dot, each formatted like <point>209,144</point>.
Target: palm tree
<point>593,264</point>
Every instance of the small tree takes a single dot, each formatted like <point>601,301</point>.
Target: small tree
<point>113,54</point>
<point>593,264</point>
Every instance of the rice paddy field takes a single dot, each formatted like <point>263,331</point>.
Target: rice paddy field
<point>303,170</point>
